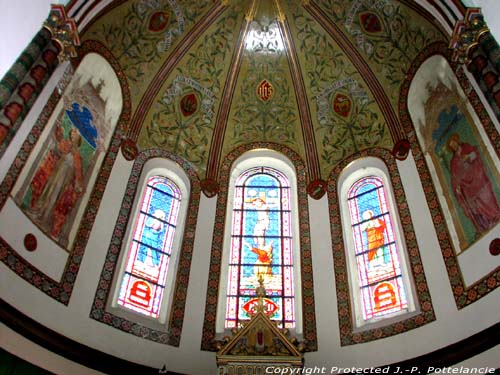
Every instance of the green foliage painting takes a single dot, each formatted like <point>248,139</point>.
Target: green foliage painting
<point>182,118</point>
<point>347,117</point>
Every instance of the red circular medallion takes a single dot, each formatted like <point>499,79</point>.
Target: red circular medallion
<point>30,242</point>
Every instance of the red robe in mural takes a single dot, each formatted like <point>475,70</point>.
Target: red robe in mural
<point>473,188</point>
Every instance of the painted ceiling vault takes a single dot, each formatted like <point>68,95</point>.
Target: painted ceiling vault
<point>320,77</point>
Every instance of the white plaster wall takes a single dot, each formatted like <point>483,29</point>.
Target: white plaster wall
<point>73,320</point>
<point>451,325</point>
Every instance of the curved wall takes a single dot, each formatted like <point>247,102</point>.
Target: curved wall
<point>73,321</point>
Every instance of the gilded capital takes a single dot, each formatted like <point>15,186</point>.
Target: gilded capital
<point>466,35</point>
<point>63,31</point>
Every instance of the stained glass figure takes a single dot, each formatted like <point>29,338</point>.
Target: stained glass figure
<point>143,283</point>
<point>376,250</point>
<point>261,247</point>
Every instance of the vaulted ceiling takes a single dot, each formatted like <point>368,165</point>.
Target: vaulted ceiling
<point>321,77</point>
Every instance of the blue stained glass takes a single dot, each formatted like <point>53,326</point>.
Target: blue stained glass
<point>377,259</point>
<point>261,240</point>
<point>148,257</point>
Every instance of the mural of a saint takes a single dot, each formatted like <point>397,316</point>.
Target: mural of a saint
<point>461,163</point>
<point>471,184</point>
<point>59,179</point>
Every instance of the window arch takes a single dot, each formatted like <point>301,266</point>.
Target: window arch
<point>261,242</point>
<point>376,256</point>
<point>143,283</point>
<point>144,286</point>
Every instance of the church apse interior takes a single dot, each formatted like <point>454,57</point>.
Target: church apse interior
<point>197,187</point>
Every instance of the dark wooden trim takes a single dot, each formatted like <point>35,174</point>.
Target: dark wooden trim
<point>97,360</point>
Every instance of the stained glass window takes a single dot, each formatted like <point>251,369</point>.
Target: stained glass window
<point>382,291</point>
<point>261,247</point>
<point>143,283</point>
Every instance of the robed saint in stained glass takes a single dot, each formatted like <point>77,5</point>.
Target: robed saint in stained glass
<point>143,283</point>
<point>376,250</point>
<point>261,246</point>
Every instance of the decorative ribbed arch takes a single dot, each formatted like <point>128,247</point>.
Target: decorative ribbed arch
<point>171,334</point>
<point>350,334</point>
<point>464,295</point>
<point>209,341</point>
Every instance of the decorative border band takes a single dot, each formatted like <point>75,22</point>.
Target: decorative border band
<point>172,337</point>
<point>464,295</point>
<point>426,315</point>
<point>61,290</point>
<point>308,307</point>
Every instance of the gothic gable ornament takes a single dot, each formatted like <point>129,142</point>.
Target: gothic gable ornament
<point>260,344</point>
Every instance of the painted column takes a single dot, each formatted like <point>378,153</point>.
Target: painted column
<point>22,84</point>
<point>473,45</point>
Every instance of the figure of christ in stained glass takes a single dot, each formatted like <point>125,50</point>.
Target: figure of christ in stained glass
<point>144,279</point>
<point>261,245</point>
<point>377,259</point>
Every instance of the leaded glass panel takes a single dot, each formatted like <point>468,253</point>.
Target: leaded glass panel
<point>261,246</point>
<point>378,264</point>
<point>143,283</point>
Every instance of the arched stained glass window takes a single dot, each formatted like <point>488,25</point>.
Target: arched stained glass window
<point>379,270</point>
<point>143,283</point>
<point>261,247</point>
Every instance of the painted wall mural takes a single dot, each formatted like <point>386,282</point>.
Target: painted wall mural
<point>388,33</point>
<point>182,117</point>
<point>462,164</point>
<point>70,151</point>
<point>264,107</point>
<point>347,117</point>
<point>429,68</point>
<point>141,32</point>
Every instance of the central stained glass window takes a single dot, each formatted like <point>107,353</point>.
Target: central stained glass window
<point>143,283</point>
<point>382,291</point>
<point>261,247</point>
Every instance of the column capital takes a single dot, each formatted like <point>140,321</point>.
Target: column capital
<point>466,35</point>
<point>64,32</point>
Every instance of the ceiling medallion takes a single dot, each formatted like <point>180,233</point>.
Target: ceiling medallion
<point>265,90</point>
<point>189,104</point>
<point>370,22</point>
<point>401,149</point>
<point>316,189</point>
<point>209,187</point>
<point>158,21</point>
<point>342,105</point>
<point>129,149</point>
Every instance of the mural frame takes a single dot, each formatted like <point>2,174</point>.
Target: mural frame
<point>426,314</point>
<point>61,290</point>
<point>463,295</point>
<point>209,341</point>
